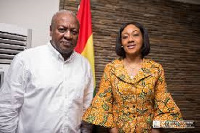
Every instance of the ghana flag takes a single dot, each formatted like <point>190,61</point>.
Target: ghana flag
<point>85,39</point>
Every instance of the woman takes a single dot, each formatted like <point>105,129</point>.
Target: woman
<point>133,90</point>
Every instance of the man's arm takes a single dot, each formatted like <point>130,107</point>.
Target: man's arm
<point>88,95</point>
<point>11,97</point>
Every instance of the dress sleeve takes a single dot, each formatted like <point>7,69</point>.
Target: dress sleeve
<point>11,97</point>
<point>165,107</point>
<point>100,111</point>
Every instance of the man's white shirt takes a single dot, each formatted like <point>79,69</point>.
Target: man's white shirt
<point>42,93</point>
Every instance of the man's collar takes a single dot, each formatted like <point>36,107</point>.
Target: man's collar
<point>58,55</point>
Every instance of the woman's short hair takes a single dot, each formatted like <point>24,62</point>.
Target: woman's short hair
<point>145,47</point>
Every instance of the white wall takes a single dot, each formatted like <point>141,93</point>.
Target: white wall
<point>31,14</point>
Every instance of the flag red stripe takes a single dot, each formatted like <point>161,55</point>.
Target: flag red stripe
<point>84,17</point>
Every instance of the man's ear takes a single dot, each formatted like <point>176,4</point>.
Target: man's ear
<point>50,30</point>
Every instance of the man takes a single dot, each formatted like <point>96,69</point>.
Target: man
<point>49,87</point>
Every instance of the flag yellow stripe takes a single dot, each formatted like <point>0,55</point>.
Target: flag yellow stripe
<point>88,52</point>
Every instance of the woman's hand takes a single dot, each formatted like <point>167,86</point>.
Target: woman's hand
<point>155,131</point>
<point>113,130</point>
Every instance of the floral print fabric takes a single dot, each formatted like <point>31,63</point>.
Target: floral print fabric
<point>131,104</point>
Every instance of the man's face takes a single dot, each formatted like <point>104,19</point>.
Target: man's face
<point>64,32</point>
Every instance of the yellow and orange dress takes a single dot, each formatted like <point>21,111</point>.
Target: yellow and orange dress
<point>131,105</point>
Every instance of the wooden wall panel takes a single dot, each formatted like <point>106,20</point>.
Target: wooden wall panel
<point>174,31</point>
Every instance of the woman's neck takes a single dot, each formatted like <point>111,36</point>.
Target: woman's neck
<point>132,65</point>
<point>131,60</point>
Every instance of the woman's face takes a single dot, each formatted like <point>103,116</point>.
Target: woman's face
<point>132,40</point>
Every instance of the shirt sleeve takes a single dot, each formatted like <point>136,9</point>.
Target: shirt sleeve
<point>88,95</point>
<point>165,107</point>
<point>11,97</point>
<point>88,92</point>
<point>100,111</point>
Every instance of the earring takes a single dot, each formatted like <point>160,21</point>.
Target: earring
<point>122,46</point>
